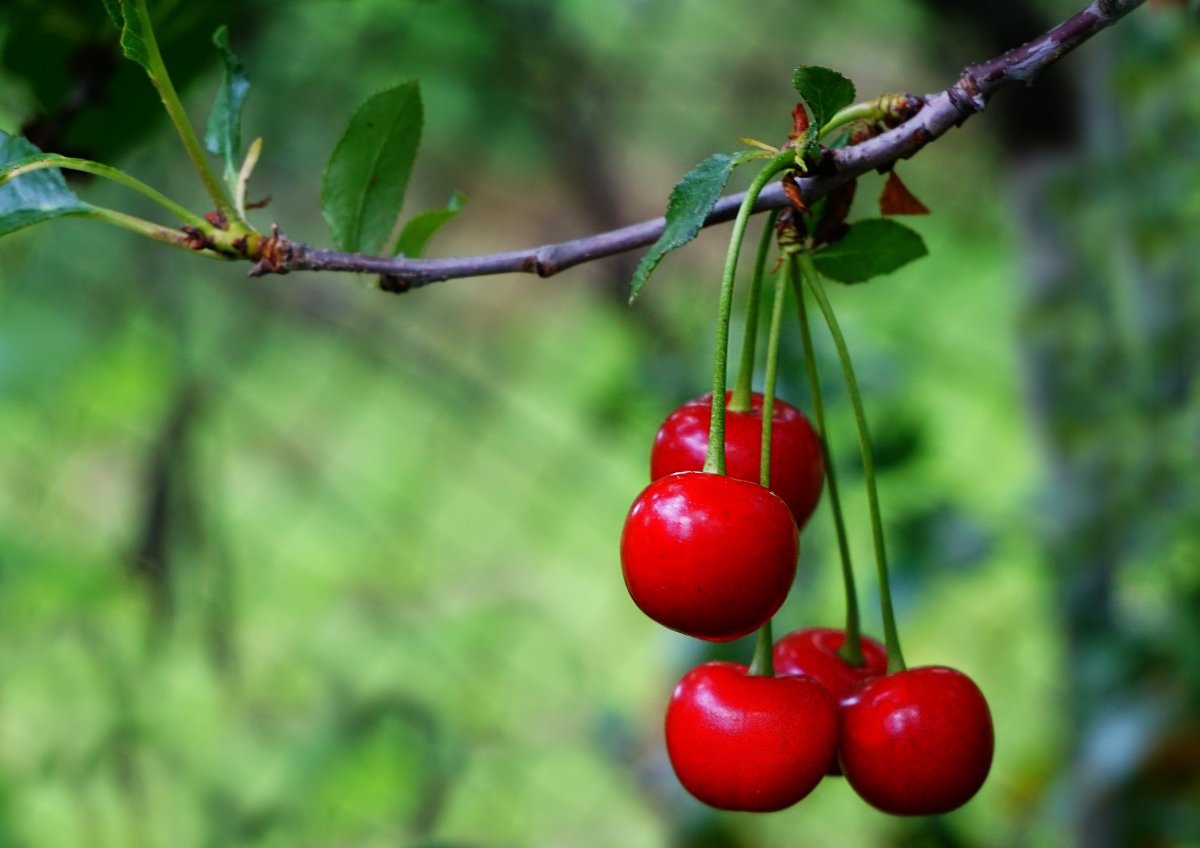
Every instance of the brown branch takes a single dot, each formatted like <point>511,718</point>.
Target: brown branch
<point>940,112</point>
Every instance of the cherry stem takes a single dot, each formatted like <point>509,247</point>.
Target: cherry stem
<point>763,664</point>
<point>768,406</point>
<point>891,637</point>
<point>742,389</point>
<point>763,652</point>
<point>851,650</point>
<point>714,460</point>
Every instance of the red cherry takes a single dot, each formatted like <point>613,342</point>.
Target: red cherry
<point>751,743</point>
<point>918,742</point>
<point>709,555</point>
<point>814,652</point>
<point>797,465</point>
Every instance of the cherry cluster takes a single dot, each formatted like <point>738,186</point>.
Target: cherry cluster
<point>714,556</point>
<point>710,547</point>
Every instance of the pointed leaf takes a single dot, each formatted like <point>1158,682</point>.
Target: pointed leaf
<point>34,197</point>
<point>870,248</point>
<point>367,175</point>
<point>133,42</point>
<point>896,199</point>
<point>691,200</point>
<point>823,91</point>
<point>113,7</point>
<point>421,228</point>
<point>223,136</point>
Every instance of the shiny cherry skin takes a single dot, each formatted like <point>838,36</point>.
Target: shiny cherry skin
<point>797,464</point>
<point>708,555</point>
<point>813,652</point>
<point>918,742</point>
<point>745,742</point>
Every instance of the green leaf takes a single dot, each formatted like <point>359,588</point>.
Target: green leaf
<point>113,7</point>
<point>367,175</point>
<point>421,228</point>
<point>823,91</point>
<point>34,197</point>
<point>59,44</point>
<point>223,136</point>
<point>691,200</point>
<point>871,248</point>
<point>133,41</point>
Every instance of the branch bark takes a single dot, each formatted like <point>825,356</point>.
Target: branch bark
<point>941,111</point>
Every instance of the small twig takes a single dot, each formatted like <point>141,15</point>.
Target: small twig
<point>939,112</point>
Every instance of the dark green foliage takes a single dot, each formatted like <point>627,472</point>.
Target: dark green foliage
<point>1109,337</point>
<point>870,249</point>
<point>86,99</point>
<point>115,12</point>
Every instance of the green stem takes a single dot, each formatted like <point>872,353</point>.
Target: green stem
<point>891,637</point>
<point>142,227</point>
<point>872,111</point>
<point>178,115</point>
<point>869,111</point>
<point>714,460</point>
<point>742,389</point>
<point>768,407</point>
<point>851,650</point>
<point>763,664</point>
<point>86,166</point>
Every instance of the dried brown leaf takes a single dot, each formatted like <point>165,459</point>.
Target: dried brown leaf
<point>896,199</point>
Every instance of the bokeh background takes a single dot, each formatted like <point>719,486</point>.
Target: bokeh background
<point>293,562</point>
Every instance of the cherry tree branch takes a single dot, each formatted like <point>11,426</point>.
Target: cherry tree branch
<point>937,114</point>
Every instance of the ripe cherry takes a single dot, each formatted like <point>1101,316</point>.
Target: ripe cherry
<point>797,465</point>
<point>917,742</point>
<point>814,652</point>
<point>709,555</point>
<point>746,742</point>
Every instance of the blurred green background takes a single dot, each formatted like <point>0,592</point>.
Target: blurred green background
<point>292,562</point>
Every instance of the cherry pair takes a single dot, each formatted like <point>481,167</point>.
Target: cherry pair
<point>710,555</point>
<point>917,742</point>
